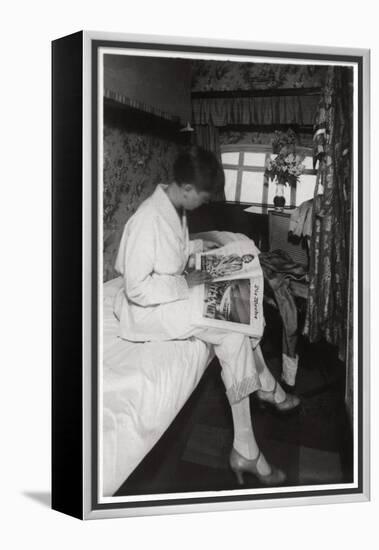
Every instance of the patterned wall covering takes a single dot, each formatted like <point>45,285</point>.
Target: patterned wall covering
<point>134,163</point>
<point>227,75</point>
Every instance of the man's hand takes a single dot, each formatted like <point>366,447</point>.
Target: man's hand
<point>196,277</point>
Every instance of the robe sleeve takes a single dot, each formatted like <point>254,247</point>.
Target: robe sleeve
<point>142,285</point>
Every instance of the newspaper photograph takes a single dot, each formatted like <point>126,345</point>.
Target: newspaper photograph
<point>233,299</point>
<point>236,260</point>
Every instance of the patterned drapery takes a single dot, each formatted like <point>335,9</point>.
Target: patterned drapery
<point>327,307</point>
<point>258,111</point>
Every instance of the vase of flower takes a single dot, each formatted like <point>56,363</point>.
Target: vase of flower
<point>286,167</point>
<point>279,199</point>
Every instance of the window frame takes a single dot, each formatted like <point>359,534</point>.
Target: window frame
<point>240,168</point>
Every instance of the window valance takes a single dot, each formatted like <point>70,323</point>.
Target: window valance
<point>264,110</point>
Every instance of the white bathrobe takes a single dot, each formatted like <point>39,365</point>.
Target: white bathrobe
<point>153,253</point>
<point>154,304</point>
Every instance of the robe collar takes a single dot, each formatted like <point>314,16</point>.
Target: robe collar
<point>168,211</point>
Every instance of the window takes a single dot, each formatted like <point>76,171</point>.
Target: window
<point>244,167</point>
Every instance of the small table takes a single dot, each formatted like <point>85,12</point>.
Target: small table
<point>260,225</point>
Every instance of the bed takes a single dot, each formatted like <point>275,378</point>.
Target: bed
<point>144,387</point>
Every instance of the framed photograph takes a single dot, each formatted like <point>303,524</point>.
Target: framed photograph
<point>165,148</point>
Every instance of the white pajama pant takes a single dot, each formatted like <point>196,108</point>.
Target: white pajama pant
<point>243,367</point>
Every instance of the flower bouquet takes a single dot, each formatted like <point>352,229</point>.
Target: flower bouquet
<point>287,167</point>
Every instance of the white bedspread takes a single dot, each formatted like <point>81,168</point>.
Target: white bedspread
<point>144,387</point>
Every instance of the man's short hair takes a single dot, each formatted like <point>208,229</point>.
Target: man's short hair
<point>200,168</point>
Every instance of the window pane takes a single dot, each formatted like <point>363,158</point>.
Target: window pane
<point>308,163</point>
<point>254,159</point>
<point>230,158</point>
<point>305,188</point>
<point>272,193</point>
<point>230,184</point>
<point>252,187</point>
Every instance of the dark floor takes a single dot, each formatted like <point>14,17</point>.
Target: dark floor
<point>313,445</point>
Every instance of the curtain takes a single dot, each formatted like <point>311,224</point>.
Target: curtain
<point>207,137</point>
<point>327,306</point>
<point>259,111</point>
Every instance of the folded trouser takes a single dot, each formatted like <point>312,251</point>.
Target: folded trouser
<point>288,313</point>
<point>279,269</point>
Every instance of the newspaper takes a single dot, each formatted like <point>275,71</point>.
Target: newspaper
<point>233,300</point>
